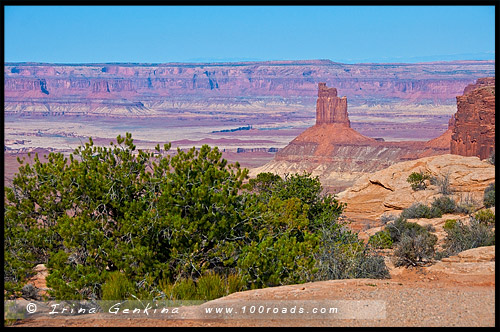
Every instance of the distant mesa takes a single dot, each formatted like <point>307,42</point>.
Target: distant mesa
<point>130,90</point>
<point>474,123</point>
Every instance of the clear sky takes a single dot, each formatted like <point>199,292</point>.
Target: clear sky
<point>159,34</point>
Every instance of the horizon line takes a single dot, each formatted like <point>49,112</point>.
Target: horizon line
<point>283,61</point>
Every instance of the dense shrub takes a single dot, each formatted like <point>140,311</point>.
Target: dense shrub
<point>419,210</point>
<point>445,204</point>
<point>449,224</point>
<point>489,195</point>
<point>149,215</point>
<point>162,219</point>
<point>485,216</point>
<point>381,240</point>
<point>279,252</point>
<point>401,227</point>
<point>339,254</point>
<point>344,256</point>
<point>460,236</point>
<point>415,250</point>
<point>323,208</point>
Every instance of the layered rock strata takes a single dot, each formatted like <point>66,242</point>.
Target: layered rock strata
<point>474,130</point>
<point>143,89</point>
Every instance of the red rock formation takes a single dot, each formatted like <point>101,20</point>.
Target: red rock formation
<point>330,108</point>
<point>480,83</point>
<point>474,130</point>
<point>339,154</point>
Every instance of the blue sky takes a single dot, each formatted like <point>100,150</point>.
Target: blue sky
<point>159,34</point>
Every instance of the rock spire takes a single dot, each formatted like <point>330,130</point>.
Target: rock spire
<point>330,108</point>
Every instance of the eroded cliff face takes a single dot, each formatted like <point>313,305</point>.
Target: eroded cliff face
<point>474,130</point>
<point>31,87</point>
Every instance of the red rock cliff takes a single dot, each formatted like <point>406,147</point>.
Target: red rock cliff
<point>474,130</point>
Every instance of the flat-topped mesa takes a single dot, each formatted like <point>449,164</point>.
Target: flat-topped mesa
<point>330,108</point>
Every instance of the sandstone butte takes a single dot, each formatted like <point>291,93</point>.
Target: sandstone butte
<point>474,129</point>
<point>338,154</point>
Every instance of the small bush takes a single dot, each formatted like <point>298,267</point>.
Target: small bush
<point>429,228</point>
<point>344,257</point>
<point>449,224</point>
<point>413,244</point>
<point>234,283</point>
<point>373,266</point>
<point>439,255</point>
<point>444,204</point>
<point>485,216</point>
<point>184,289</point>
<point>30,292</point>
<point>117,287</point>
<point>489,195</point>
<point>396,229</point>
<point>491,159</point>
<point>415,250</point>
<point>419,210</point>
<point>380,240</point>
<point>460,237</point>
<point>385,218</point>
<point>417,180</point>
<point>402,227</point>
<point>210,286</point>
<point>467,204</point>
<point>443,184</point>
